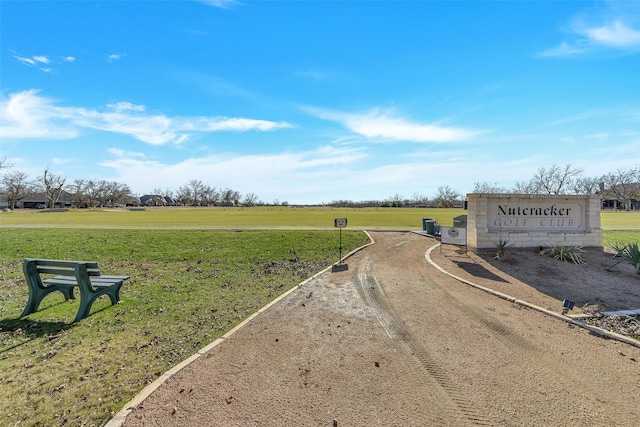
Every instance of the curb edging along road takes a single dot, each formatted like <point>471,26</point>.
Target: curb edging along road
<point>120,417</point>
<point>594,329</point>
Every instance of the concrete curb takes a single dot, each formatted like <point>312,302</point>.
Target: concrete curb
<point>119,419</point>
<point>594,329</point>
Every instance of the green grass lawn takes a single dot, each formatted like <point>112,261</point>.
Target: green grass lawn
<point>259,218</point>
<point>216,218</point>
<point>187,287</point>
<point>195,273</point>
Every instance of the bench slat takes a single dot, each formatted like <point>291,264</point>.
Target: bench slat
<point>72,280</point>
<point>61,262</point>
<point>64,271</point>
<point>97,284</point>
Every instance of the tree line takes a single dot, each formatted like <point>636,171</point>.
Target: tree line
<point>16,185</point>
<point>622,185</point>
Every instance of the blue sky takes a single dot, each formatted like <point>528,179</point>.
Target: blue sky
<point>314,101</point>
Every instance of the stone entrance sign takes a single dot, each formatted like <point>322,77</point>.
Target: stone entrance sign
<point>531,221</point>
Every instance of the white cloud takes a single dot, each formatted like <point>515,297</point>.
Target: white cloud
<point>278,175</point>
<point>126,106</point>
<point>113,57</point>
<point>611,28</point>
<point>616,34</point>
<point>61,161</point>
<point>121,153</point>
<point>25,60</point>
<point>42,59</point>
<point>223,4</point>
<point>564,49</point>
<point>28,115</point>
<point>385,125</point>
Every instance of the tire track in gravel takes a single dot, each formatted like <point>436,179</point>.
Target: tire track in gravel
<point>510,342</point>
<point>452,400</point>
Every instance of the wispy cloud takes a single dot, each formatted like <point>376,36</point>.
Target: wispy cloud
<point>616,34</point>
<point>121,153</point>
<point>61,161</point>
<point>42,61</point>
<point>114,57</point>
<point>565,49</point>
<point>28,115</point>
<point>32,60</point>
<point>607,29</point>
<point>223,4</point>
<point>385,125</point>
<point>266,174</point>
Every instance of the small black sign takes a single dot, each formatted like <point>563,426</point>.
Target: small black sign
<point>340,222</point>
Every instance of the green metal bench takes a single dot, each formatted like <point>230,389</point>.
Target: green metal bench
<point>45,276</point>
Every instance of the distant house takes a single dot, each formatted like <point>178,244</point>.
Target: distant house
<point>132,201</point>
<point>41,201</point>
<point>610,199</point>
<point>152,200</point>
<point>157,200</point>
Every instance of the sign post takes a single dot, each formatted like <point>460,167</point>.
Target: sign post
<point>340,223</point>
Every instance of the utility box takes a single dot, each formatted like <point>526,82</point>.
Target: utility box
<point>460,221</point>
<point>430,227</point>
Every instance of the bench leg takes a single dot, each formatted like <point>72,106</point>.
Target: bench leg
<point>88,298</point>
<point>36,297</point>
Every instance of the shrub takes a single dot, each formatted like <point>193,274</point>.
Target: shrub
<point>502,246</point>
<point>629,253</point>
<point>565,253</point>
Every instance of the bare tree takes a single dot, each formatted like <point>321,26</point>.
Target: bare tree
<point>250,199</point>
<point>395,201</point>
<point>420,199</point>
<point>488,188</point>
<point>183,196</point>
<point>227,197</point>
<point>4,163</point>
<point>52,185</point>
<point>94,190</point>
<point>446,197</point>
<point>167,192</point>
<point>525,187</point>
<point>196,192</point>
<point>235,198</point>
<point>77,191</point>
<point>210,196</point>
<point>586,185</point>
<point>555,179</point>
<point>623,185</point>
<point>115,192</point>
<point>15,186</point>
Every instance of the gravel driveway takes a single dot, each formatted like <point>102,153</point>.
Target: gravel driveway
<point>392,341</point>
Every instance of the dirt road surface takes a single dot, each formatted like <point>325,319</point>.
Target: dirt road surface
<point>392,341</point>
